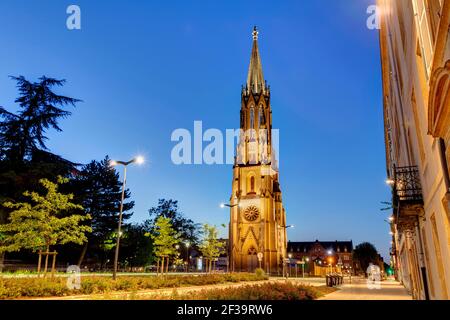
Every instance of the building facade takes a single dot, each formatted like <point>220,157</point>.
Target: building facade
<point>415,55</point>
<point>321,254</point>
<point>257,216</point>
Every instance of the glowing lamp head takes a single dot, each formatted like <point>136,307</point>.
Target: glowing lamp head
<point>222,205</point>
<point>113,163</point>
<point>139,160</point>
<point>390,182</point>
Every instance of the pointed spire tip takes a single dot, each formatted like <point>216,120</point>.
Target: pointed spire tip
<point>255,33</point>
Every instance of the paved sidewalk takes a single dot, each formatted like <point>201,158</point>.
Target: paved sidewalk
<point>358,290</point>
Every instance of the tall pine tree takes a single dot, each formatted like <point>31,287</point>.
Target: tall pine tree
<point>99,191</point>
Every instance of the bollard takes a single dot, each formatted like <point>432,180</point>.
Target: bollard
<point>328,280</point>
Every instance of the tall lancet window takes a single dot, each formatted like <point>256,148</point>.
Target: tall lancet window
<point>252,123</point>
<point>261,116</point>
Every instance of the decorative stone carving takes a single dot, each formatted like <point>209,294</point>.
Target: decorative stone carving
<point>251,213</point>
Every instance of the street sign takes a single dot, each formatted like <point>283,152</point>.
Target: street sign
<point>300,262</point>
<point>260,256</point>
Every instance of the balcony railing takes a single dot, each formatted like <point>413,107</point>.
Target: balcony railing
<point>407,186</point>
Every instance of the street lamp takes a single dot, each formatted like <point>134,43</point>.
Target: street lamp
<point>286,227</point>
<point>138,160</point>
<point>223,205</point>
<point>390,182</point>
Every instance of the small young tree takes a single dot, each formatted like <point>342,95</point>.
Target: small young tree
<point>187,229</point>
<point>165,238</point>
<point>41,223</point>
<point>210,247</point>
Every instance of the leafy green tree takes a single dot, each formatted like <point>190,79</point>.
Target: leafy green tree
<point>211,247</point>
<point>188,230</point>
<point>41,223</point>
<point>365,253</point>
<point>136,247</point>
<point>99,190</point>
<point>165,238</point>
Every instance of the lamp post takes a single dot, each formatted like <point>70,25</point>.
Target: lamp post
<point>225,205</point>
<point>288,271</point>
<point>187,244</point>
<point>304,262</point>
<point>138,160</point>
<point>284,227</point>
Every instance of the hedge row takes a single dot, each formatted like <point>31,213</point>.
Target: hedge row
<point>11,288</point>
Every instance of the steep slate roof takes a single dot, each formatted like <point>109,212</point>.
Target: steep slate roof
<point>327,245</point>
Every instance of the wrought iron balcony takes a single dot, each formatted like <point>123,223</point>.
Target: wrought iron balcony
<point>407,196</point>
<point>407,186</point>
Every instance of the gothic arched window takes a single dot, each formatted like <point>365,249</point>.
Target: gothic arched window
<point>252,184</point>
<point>252,118</point>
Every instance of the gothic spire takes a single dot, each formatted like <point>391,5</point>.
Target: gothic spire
<point>255,79</point>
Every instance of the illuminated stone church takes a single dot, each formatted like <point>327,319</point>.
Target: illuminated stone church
<point>257,215</point>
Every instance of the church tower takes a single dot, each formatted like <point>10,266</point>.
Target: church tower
<point>257,216</point>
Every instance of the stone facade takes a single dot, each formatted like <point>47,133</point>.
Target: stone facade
<point>415,55</point>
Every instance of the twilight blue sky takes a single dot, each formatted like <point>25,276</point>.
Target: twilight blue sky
<point>145,68</point>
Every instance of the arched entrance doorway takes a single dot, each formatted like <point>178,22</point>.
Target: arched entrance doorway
<point>252,259</point>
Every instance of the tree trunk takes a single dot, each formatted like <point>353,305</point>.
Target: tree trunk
<point>82,254</point>
<point>162,266</point>
<point>167,269</point>
<point>46,260</point>
<point>2,261</point>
